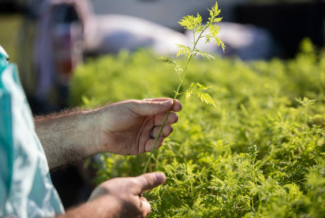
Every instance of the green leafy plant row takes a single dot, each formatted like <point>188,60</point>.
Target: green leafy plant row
<point>258,153</point>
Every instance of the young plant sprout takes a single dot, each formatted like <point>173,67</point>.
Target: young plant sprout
<point>193,24</point>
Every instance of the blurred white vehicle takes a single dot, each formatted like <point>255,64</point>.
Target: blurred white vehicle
<point>113,33</point>
<point>247,42</point>
<point>164,12</point>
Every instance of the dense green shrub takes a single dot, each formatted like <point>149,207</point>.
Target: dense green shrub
<point>258,153</point>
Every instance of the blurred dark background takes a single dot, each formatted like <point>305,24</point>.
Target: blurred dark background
<point>48,39</point>
<point>288,23</point>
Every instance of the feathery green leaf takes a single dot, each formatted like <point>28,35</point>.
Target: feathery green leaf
<point>215,11</point>
<point>190,22</point>
<point>203,54</point>
<point>205,97</point>
<point>217,20</point>
<point>184,50</point>
<point>219,42</point>
<point>167,60</point>
<point>214,30</point>
<point>198,88</point>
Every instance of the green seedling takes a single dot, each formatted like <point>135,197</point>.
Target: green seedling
<point>193,24</point>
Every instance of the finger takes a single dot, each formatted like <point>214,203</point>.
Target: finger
<point>149,107</point>
<point>149,181</point>
<point>177,106</point>
<point>150,143</point>
<point>143,199</point>
<point>160,118</point>
<point>167,130</point>
<point>145,207</point>
<point>157,99</point>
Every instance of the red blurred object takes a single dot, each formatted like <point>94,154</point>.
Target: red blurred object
<point>67,50</point>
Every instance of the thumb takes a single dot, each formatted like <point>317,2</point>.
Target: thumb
<point>149,181</point>
<point>150,107</point>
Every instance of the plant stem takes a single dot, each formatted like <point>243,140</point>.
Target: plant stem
<point>175,96</point>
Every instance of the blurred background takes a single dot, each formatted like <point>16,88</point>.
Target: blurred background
<point>49,38</point>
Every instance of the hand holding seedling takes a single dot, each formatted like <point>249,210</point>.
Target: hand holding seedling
<point>127,127</point>
<point>131,127</point>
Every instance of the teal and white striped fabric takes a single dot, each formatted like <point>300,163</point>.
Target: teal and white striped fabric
<point>26,189</point>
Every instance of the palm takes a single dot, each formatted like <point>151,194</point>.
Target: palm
<point>126,128</point>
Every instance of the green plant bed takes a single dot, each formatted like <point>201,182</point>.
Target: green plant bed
<point>258,153</point>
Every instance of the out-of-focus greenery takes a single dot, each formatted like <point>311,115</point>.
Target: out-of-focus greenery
<point>9,33</point>
<point>17,36</point>
<point>258,153</point>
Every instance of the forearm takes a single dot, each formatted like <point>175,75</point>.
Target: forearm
<point>68,137</point>
<point>104,207</point>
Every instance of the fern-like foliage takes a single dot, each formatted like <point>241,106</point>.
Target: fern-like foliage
<point>198,89</point>
<point>203,54</point>
<point>190,22</point>
<point>169,60</point>
<point>214,30</point>
<point>184,50</point>
<point>305,102</point>
<point>215,11</point>
<point>194,24</point>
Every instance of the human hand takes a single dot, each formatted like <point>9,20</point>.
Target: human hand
<point>124,193</point>
<point>126,127</point>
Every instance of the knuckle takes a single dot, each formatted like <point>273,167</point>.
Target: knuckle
<point>133,182</point>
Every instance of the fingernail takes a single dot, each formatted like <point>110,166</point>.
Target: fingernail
<point>166,103</point>
<point>160,177</point>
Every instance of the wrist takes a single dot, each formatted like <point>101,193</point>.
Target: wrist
<point>102,207</point>
<point>93,130</point>
<point>104,132</point>
<point>107,206</point>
